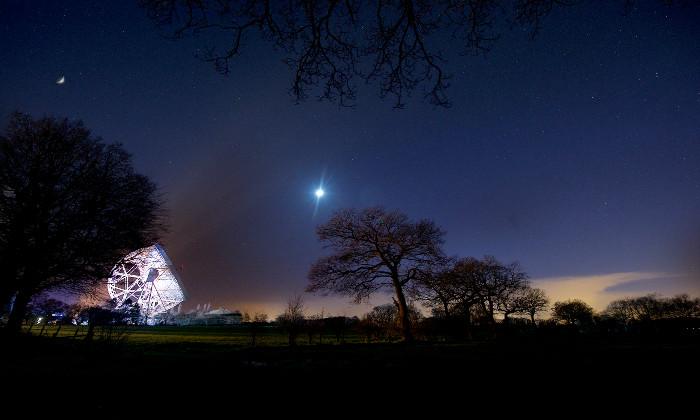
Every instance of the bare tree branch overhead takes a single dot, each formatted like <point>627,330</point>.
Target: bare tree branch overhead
<point>399,44</point>
<point>331,44</point>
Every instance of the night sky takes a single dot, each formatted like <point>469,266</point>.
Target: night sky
<point>576,154</point>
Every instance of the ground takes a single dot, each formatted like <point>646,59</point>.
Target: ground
<point>208,366</point>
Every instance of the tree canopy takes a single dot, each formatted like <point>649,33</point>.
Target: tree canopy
<point>71,207</point>
<point>573,312</point>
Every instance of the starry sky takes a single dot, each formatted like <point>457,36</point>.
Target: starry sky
<point>576,153</point>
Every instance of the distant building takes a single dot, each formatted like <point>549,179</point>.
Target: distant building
<point>204,316</point>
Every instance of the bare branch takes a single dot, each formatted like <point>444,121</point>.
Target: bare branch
<point>329,44</point>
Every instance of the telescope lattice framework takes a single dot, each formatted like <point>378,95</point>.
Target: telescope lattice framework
<point>146,277</point>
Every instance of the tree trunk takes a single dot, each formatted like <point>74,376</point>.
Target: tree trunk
<point>90,332</point>
<point>492,319</point>
<point>19,307</point>
<point>402,306</point>
<point>57,330</point>
<point>468,316</point>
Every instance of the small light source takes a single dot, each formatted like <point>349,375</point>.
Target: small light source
<point>319,192</point>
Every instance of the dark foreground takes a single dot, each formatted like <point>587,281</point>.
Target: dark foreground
<point>497,375</point>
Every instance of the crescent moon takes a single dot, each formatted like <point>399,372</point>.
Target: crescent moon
<point>61,80</point>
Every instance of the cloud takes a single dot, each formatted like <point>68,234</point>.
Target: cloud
<point>599,290</point>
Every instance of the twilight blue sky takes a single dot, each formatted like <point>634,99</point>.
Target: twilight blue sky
<point>577,154</point>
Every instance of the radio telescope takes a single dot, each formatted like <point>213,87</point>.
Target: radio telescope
<point>146,277</point>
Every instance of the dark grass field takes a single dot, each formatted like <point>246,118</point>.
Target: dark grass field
<point>217,366</point>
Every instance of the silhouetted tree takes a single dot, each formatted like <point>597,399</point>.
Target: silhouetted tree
<point>338,326</point>
<point>291,321</point>
<point>373,250</point>
<point>113,323</point>
<point>443,290</point>
<point>511,304</point>
<point>316,326</point>
<point>533,301</point>
<point>399,44</point>
<point>132,311</point>
<point>491,284</point>
<point>71,206</point>
<point>72,313</point>
<point>255,324</point>
<point>683,306</point>
<point>451,294</point>
<point>510,283</point>
<point>384,321</point>
<point>573,312</point>
<point>643,311</point>
<point>647,308</point>
<point>45,307</point>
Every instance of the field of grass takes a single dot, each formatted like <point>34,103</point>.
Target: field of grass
<point>234,335</point>
<point>186,344</point>
<point>63,352</point>
<point>222,360</point>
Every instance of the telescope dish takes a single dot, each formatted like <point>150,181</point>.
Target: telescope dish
<point>147,278</point>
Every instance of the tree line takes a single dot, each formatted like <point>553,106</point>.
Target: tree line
<point>650,314</point>
<point>375,250</point>
<point>643,315</point>
<point>677,315</point>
